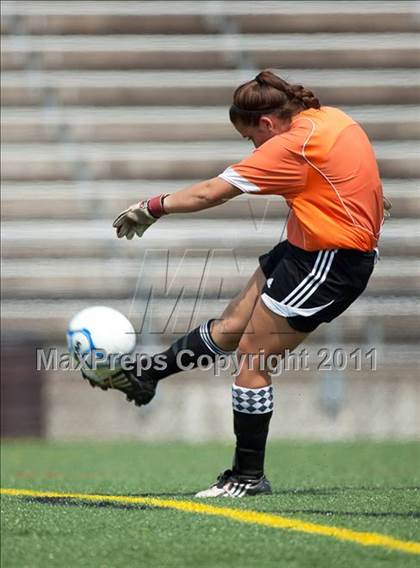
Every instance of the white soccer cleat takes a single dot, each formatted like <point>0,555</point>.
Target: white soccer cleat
<point>230,485</point>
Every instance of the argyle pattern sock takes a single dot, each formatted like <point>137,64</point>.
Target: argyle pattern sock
<point>252,412</point>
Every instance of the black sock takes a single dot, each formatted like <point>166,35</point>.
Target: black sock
<point>185,352</point>
<point>252,411</point>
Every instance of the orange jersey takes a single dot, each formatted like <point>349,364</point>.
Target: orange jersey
<point>325,168</point>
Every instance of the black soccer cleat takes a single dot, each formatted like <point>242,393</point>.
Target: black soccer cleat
<point>233,485</point>
<point>139,390</point>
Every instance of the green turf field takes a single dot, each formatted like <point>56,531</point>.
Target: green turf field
<point>362,486</point>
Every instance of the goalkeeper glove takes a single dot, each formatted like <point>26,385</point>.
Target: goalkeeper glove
<point>138,217</point>
<point>387,207</point>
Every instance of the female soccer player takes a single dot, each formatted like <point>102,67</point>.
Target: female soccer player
<point>322,163</point>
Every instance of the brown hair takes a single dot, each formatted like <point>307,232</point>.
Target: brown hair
<point>269,94</point>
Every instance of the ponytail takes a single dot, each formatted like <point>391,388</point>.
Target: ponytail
<point>270,94</point>
<point>305,96</point>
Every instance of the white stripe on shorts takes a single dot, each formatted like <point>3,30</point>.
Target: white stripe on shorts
<point>304,290</point>
<point>281,309</point>
<point>318,284</point>
<point>308,278</point>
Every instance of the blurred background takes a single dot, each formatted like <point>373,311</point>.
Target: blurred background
<point>106,103</point>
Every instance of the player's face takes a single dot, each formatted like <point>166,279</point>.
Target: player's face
<point>267,127</point>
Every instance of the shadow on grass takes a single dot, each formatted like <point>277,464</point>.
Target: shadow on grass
<point>341,489</point>
<point>329,513</point>
<point>63,501</point>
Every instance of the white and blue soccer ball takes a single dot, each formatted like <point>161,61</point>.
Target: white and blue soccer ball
<point>99,337</point>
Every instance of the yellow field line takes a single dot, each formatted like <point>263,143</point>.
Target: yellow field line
<point>243,516</point>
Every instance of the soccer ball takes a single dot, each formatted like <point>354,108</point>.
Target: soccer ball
<point>98,337</point>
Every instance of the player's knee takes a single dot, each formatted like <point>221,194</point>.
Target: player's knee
<point>229,329</point>
<point>247,344</point>
<point>232,325</point>
<point>261,346</point>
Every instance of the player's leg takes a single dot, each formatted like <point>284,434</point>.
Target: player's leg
<point>252,394</point>
<point>252,399</point>
<point>214,338</point>
<point>227,331</point>
<point>303,290</point>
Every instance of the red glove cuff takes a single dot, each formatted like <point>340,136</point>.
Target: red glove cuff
<point>155,205</point>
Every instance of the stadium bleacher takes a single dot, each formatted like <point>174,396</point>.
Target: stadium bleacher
<point>130,100</point>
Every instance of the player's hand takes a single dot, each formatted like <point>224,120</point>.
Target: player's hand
<point>387,207</point>
<point>138,217</point>
<point>133,221</point>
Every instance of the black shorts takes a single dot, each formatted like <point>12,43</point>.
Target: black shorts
<point>309,288</point>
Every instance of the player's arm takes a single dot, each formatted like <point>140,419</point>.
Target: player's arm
<point>200,196</point>
<point>138,217</point>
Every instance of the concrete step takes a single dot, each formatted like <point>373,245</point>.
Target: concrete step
<point>154,124</point>
<point>67,238</point>
<point>103,199</point>
<point>198,88</point>
<point>161,160</point>
<point>119,278</point>
<point>368,319</point>
<point>227,51</point>
<point>211,17</point>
